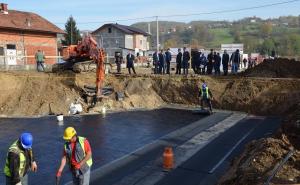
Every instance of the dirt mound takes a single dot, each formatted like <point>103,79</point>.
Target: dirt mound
<point>254,166</point>
<point>278,68</point>
<point>256,163</point>
<point>272,96</point>
<point>32,93</point>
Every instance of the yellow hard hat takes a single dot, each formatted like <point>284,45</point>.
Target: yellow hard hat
<point>69,133</point>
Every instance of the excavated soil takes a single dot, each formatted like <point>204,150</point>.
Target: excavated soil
<point>32,93</point>
<point>260,157</point>
<point>277,68</point>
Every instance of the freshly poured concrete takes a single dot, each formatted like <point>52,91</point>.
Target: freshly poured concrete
<point>111,137</point>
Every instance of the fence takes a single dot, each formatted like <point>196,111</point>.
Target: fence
<point>15,63</point>
<point>8,63</point>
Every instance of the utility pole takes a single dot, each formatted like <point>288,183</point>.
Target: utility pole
<point>157,35</point>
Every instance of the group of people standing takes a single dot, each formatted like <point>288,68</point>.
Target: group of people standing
<point>200,63</point>
<point>130,58</point>
<point>162,61</point>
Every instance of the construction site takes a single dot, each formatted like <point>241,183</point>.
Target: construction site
<point>146,128</point>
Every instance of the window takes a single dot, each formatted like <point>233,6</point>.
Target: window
<point>109,30</point>
<point>141,42</point>
<point>1,51</point>
<point>11,46</point>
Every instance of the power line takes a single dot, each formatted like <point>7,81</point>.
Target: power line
<point>193,14</point>
<point>233,10</point>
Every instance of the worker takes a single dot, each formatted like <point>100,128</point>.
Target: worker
<point>19,160</point>
<point>77,152</point>
<point>40,60</point>
<point>205,95</point>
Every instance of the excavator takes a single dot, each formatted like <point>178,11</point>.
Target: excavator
<point>85,55</point>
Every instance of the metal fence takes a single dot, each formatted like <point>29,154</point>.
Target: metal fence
<point>8,63</point>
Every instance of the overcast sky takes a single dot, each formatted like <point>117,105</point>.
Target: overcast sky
<point>90,14</point>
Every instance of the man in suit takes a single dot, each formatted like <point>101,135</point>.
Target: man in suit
<point>162,60</point>
<point>178,62</point>
<point>168,60</point>
<point>225,62</point>
<point>185,61</point>
<point>130,62</point>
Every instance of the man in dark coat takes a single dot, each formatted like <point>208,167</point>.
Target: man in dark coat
<point>162,60</point>
<point>236,60</point>
<point>130,62</point>
<point>185,61</point>
<point>203,64</point>
<point>210,58</point>
<point>178,62</point>
<point>195,60</point>
<point>119,60</point>
<point>225,61</point>
<point>168,60</point>
<point>217,64</point>
<point>155,62</point>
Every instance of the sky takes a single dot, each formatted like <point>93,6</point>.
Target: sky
<point>91,14</point>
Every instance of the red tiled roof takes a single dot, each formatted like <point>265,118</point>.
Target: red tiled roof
<point>27,21</point>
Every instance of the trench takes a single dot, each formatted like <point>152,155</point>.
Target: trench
<point>111,136</point>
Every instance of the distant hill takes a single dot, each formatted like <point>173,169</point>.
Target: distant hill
<point>258,35</point>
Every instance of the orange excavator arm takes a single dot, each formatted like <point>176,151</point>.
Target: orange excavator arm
<point>88,48</point>
<point>100,73</point>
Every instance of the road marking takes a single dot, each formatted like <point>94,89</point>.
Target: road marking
<point>231,150</point>
<point>195,144</point>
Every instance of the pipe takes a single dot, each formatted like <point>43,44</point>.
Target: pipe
<point>278,166</point>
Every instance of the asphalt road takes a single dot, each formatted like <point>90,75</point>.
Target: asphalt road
<point>207,165</point>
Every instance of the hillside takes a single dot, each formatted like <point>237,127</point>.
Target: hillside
<point>281,34</point>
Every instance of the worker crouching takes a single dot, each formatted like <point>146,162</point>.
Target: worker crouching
<point>78,154</point>
<point>19,161</point>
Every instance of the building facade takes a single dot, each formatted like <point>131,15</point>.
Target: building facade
<point>116,38</point>
<point>22,34</point>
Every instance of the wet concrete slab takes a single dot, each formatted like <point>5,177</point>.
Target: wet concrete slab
<point>111,137</point>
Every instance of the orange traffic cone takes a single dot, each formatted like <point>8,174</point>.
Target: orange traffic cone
<point>168,159</point>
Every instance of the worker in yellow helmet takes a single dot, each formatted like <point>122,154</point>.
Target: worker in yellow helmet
<point>77,152</point>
